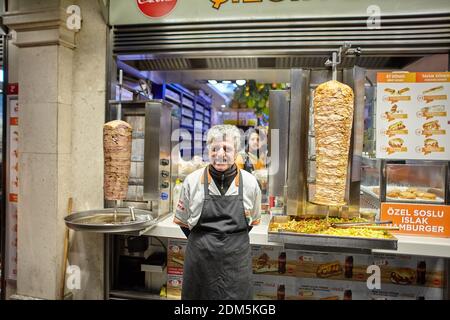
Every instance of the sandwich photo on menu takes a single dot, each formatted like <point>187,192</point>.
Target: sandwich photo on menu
<point>431,125</point>
<point>395,113</point>
<point>394,109</point>
<point>399,125</point>
<point>433,111</point>
<point>431,145</point>
<point>434,89</point>
<point>403,276</point>
<point>402,91</point>
<point>390,91</point>
<point>396,143</point>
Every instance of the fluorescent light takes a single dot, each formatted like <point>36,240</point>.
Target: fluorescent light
<point>226,81</point>
<point>241,82</point>
<point>212,81</point>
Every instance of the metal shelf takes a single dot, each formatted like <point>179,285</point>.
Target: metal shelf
<point>188,107</point>
<point>172,99</point>
<point>236,110</point>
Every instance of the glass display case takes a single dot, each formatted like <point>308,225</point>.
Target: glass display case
<point>422,182</point>
<point>409,181</point>
<point>370,186</point>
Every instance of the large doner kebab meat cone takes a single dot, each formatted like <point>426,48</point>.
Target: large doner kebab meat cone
<point>117,157</point>
<point>333,117</point>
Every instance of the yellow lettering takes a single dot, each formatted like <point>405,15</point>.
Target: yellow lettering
<point>218,3</point>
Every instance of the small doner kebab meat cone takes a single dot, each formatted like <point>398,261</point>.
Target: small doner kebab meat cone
<point>117,157</point>
<point>333,117</point>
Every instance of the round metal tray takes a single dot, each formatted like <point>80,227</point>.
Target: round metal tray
<point>102,220</point>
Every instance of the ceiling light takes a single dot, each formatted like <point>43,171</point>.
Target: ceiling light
<point>226,81</point>
<point>223,106</point>
<point>241,82</point>
<point>212,82</point>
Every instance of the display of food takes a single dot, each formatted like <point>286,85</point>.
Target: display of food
<point>322,226</point>
<point>410,193</point>
<point>333,118</point>
<point>117,159</point>
<point>416,194</point>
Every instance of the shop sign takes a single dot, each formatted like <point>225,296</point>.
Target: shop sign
<point>131,12</point>
<point>418,219</point>
<point>413,115</point>
<point>156,8</point>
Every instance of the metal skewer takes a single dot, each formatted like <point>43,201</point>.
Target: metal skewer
<point>334,66</point>
<point>119,106</point>
<point>355,224</point>
<point>115,211</point>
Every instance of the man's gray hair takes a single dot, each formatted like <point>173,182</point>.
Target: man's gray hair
<point>222,132</point>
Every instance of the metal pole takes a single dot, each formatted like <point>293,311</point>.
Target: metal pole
<point>119,106</point>
<point>334,66</point>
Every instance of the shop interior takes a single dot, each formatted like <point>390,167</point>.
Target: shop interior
<point>251,93</point>
<point>309,92</point>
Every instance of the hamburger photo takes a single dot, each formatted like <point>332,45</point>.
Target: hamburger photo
<point>263,261</point>
<point>403,276</point>
<point>431,143</point>
<point>396,142</point>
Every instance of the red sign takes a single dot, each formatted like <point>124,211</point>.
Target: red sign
<point>13,88</point>
<point>156,8</point>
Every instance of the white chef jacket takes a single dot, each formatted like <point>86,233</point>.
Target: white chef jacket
<point>189,208</point>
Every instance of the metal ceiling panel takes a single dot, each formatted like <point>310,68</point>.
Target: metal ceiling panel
<point>282,43</point>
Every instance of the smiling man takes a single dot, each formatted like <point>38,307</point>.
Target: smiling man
<point>218,207</point>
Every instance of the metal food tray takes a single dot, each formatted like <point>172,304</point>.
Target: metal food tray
<point>79,221</point>
<point>307,239</point>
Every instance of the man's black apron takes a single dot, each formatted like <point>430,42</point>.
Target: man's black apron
<point>218,263</point>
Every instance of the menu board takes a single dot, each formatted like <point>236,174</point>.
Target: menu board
<point>413,115</point>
